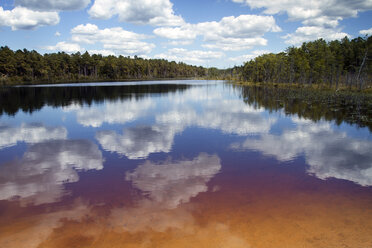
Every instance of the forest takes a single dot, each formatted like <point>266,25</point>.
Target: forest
<point>23,66</point>
<point>336,63</point>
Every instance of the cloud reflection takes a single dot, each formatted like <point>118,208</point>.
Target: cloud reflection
<point>230,116</point>
<point>138,142</point>
<point>29,133</point>
<point>35,229</point>
<point>118,112</point>
<point>172,183</point>
<point>165,186</point>
<point>38,177</point>
<point>329,153</point>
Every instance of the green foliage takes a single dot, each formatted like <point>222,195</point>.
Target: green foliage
<point>341,106</point>
<point>336,63</point>
<point>23,66</point>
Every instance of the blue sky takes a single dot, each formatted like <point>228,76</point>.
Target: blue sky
<point>220,33</point>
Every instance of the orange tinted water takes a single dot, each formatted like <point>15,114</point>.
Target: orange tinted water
<point>260,210</point>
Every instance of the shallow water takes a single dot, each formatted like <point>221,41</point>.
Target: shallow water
<point>176,164</point>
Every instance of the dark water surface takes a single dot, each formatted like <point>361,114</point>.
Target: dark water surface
<point>176,164</point>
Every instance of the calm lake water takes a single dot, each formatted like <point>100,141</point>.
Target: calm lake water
<point>176,164</point>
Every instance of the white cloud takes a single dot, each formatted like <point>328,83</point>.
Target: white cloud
<point>180,42</point>
<point>243,26</point>
<point>190,56</point>
<point>329,153</point>
<point>23,18</point>
<point>103,52</point>
<point>29,133</point>
<point>65,47</point>
<point>305,10</point>
<point>310,33</point>
<point>39,176</point>
<point>158,12</point>
<point>185,32</point>
<point>322,21</point>
<point>115,39</point>
<point>236,44</point>
<point>248,57</point>
<point>57,34</point>
<point>366,31</point>
<point>48,5</point>
<point>230,33</point>
<point>170,184</point>
<point>320,18</point>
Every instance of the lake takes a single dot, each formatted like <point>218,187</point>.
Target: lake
<point>177,164</point>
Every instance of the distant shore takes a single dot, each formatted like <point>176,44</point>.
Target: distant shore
<point>30,83</point>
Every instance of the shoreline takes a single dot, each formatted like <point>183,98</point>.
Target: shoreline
<point>312,87</point>
<point>30,83</point>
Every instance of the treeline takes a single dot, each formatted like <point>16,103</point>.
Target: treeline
<point>335,63</point>
<point>23,66</point>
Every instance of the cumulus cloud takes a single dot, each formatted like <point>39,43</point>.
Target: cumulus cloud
<point>102,52</point>
<point>114,39</point>
<point>39,176</point>
<point>366,31</point>
<point>328,153</point>
<point>29,133</point>
<point>248,57</point>
<point>190,56</point>
<point>236,44</point>
<point>159,12</point>
<point>309,33</point>
<point>230,33</point>
<point>306,10</point>
<point>48,5</point>
<point>65,47</point>
<point>23,18</point>
<point>171,183</point>
<point>320,18</point>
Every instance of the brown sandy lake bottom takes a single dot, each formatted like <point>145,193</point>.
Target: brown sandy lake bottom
<point>177,164</point>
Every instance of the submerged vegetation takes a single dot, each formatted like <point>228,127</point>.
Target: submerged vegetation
<point>23,66</point>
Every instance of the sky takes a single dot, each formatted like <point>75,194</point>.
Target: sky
<point>210,33</point>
